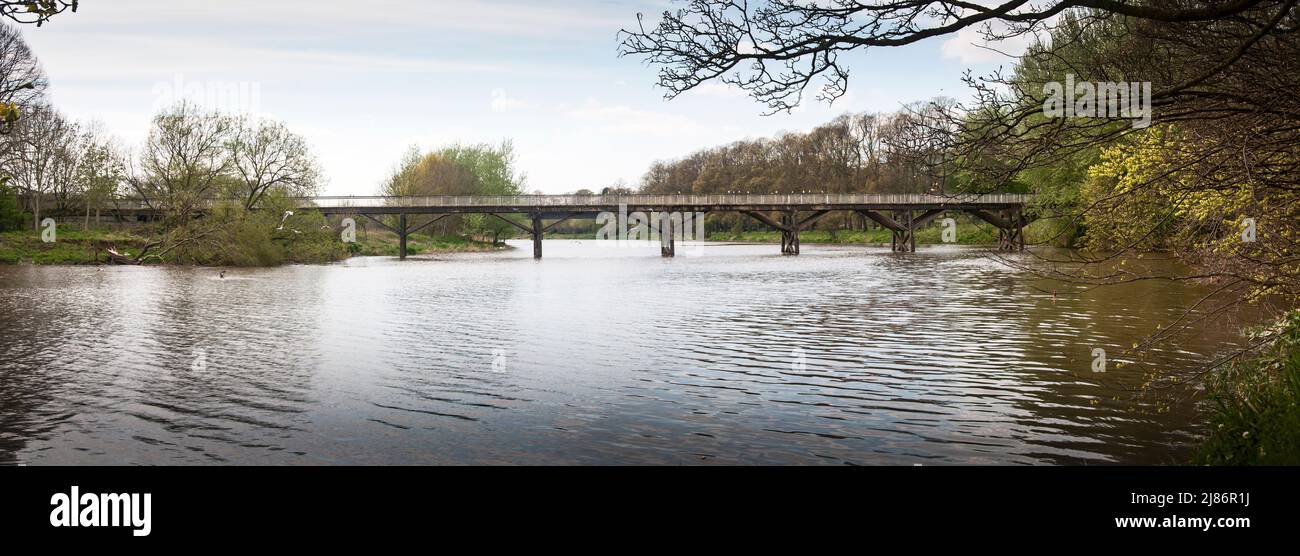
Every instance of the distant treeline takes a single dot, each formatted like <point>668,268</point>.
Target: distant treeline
<point>854,153</point>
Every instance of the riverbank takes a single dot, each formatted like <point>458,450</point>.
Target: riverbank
<point>71,247</point>
<point>77,247</point>
<point>386,244</point>
<point>1254,414</point>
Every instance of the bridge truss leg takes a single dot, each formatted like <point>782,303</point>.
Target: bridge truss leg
<point>1013,237</point>
<point>904,239</point>
<point>1011,228</point>
<point>898,232</point>
<point>790,225</point>
<point>535,230</point>
<point>789,233</point>
<point>902,226</point>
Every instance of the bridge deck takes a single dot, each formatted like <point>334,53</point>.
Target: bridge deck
<point>909,211</point>
<point>552,204</point>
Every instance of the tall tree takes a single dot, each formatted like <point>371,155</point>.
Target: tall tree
<point>266,156</point>
<point>497,173</point>
<point>185,161</point>
<point>101,170</point>
<point>479,169</point>
<point>41,156</point>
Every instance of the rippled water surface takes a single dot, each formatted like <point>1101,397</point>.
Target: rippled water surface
<point>592,355</point>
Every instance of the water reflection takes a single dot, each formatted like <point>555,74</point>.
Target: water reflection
<point>845,355</point>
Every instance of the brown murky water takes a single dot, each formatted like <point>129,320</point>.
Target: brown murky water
<point>592,355</point>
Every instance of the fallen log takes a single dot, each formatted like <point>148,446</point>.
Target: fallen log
<point>120,258</point>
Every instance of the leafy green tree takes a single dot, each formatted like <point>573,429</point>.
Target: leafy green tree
<point>496,171</point>
<point>11,213</point>
<point>100,171</point>
<point>479,169</point>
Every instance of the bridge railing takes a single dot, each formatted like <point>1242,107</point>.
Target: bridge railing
<point>561,201</point>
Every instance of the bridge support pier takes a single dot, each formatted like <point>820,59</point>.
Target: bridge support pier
<point>1011,228</point>
<point>904,239</point>
<point>402,230</point>
<point>535,229</point>
<point>537,236</point>
<point>789,233</point>
<point>902,226</point>
<point>1016,235</point>
<point>789,226</point>
<point>401,236</point>
<point>1011,239</point>
<point>667,243</point>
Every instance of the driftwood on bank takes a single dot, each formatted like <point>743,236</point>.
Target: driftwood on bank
<point>121,258</point>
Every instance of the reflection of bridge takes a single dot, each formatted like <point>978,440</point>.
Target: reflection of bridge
<point>903,214</point>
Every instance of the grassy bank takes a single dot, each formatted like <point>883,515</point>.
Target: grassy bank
<point>77,247</point>
<point>1255,405</point>
<point>386,244</point>
<point>72,246</point>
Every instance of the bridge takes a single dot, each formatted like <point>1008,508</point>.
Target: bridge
<point>902,214</point>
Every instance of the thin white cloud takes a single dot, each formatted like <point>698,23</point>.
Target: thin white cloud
<point>198,57</point>
<point>555,18</point>
<point>717,89</point>
<point>623,119</point>
<point>502,102</point>
<point>968,47</point>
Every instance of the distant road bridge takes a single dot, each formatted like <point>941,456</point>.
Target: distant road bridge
<point>902,214</point>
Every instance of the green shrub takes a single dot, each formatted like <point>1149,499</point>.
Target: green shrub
<point>1255,418</point>
<point>12,216</point>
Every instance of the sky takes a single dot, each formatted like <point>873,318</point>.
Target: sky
<point>363,81</point>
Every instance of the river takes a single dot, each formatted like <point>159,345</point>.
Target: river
<point>595,354</point>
